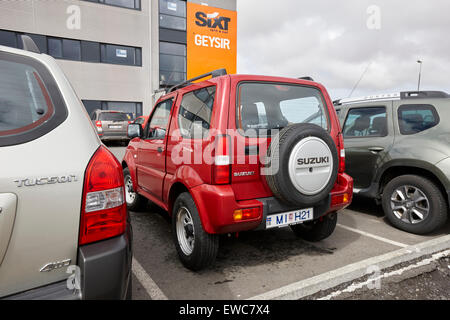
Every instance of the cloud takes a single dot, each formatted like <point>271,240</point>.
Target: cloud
<point>330,41</point>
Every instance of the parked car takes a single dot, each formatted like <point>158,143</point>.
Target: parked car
<point>111,125</point>
<point>64,226</point>
<point>231,193</point>
<point>142,120</point>
<point>398,151</point>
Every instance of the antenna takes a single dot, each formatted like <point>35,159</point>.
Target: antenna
<point>362,76</point>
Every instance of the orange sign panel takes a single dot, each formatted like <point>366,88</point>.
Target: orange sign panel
<point>211,39</point>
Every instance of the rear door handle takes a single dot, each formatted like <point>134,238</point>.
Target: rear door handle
<point>376,149</point>
<point>160,150</point>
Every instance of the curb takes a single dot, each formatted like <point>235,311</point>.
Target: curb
<point>354,271</point>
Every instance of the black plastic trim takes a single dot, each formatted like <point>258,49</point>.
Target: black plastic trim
<point>106,268</point>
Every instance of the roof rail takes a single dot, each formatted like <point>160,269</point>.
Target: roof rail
<point>423,94</point>
<point>306,78</point>
<point>213,74</point>
<point>28,44</point>
<point>378,97</point>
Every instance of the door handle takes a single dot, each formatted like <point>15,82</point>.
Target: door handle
<point>160,150</point>
<point>376,149</point>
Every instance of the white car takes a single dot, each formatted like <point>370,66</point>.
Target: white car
<point>64,226</point>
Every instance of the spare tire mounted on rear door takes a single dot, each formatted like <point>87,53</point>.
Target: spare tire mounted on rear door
<point>307,164</point>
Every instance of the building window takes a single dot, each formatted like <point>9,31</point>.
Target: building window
<point>173,8</point>
<point>171,22</point>
<point>172,63</point>
<point>133,109</point>
<point>8,38</point>
<point>90,51</point>
<point>55,47</point>
<point>77,50</point>
<point>130,4</point>
<point>172,47</point>
<point>172,14</point>
<point>71,49</point>
<point>121,55</point>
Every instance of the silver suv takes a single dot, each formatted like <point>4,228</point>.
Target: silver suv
<point>111,125</point>
<point>64,226</point>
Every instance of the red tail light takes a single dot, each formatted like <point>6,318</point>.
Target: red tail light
<point>103,210</point>
<point>222,160</point>
<point>341,151</point>
<point>98,123</point>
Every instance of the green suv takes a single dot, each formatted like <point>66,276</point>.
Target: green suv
<point>398,152</point>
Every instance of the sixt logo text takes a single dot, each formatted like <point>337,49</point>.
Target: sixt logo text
<point>212,21</point>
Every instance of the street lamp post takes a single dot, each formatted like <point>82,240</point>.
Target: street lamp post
<point>420,74</point>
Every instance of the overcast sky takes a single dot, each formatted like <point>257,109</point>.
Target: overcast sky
<point>330,41</point>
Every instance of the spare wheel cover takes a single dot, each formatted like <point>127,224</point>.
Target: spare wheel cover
<point>310,165</point>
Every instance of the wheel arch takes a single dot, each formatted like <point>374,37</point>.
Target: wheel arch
<point>175,190</point>
<point>397,170</point>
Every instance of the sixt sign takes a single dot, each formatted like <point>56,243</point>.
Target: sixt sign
<point>212,21</point>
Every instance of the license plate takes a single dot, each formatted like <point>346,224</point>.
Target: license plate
<point>289,218</point>
<point>115,127</point>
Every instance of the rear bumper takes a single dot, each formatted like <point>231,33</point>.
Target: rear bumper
<point>216,205</point>
<point>106,268</point>
<point>108,136</point>
<point>105,273</point>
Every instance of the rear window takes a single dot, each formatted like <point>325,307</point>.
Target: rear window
<point>113,116</point>
<point>263,107</point>
<point>30,104</point>
<point>416,118</point>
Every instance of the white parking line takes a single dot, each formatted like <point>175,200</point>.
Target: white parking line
<point>147,282</point>
<point>395,243</point>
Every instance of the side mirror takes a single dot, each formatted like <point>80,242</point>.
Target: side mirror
<point>134,131</point>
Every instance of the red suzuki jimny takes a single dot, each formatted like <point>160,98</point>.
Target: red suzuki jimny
<point>237,153</point>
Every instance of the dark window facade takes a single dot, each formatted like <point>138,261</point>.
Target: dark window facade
<point>129,4</point>
<point>76,50</point>
<point>133,109</point>
<point>121,55</point>
<point>172,46</point>
<point>90,51</point>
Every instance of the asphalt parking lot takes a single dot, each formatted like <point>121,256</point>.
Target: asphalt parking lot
<point>257,262</point>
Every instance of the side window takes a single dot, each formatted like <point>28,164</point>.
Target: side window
<point>194,118</point>
<point>30,103</point>
<point>416,118</point>
<point>157,126</point>
<point>366,122</point>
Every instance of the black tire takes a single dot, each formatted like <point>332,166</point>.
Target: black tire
<point>316,230</point>
<point>205,245</point>
<point>140,202</point>
<point>435,202</point>
<point>280,150</point>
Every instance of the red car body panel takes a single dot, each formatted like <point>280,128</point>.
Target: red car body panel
<point>155,175</point>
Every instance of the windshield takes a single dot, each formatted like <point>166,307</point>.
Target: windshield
<point>267,106</point>
<point>113,116</point>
